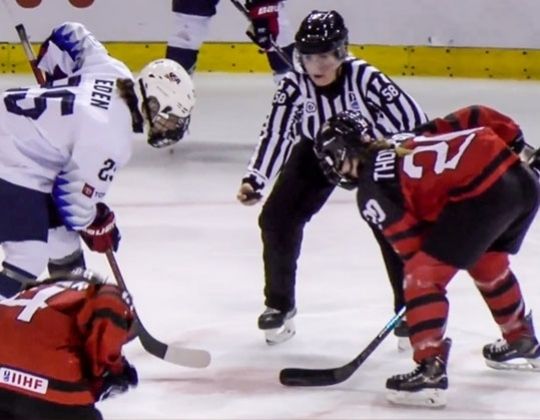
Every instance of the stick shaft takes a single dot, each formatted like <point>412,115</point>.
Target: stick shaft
<point>29,52</point>
<point>275,47</point>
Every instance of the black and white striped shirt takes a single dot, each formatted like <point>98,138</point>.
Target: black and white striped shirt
<point>298,102</point>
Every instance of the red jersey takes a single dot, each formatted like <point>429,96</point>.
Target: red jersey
<point>473,117</point>
<point>59,338</point>
<point>403,195</point>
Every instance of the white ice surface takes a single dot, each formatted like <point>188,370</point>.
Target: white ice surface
<point>191,257</point>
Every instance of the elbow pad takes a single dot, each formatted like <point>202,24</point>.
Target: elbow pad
<point>72,197</point>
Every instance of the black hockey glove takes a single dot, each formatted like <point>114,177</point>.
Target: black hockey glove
<point>264,22</point>
<point>113,385</point>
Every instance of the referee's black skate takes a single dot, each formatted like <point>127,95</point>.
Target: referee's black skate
<point>522,354</point>
<point>278,326</point>
<point>425,386</point>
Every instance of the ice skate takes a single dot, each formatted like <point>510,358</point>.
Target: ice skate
<point>522,354</point>
<point>278,326</point>
<point>425,386</point>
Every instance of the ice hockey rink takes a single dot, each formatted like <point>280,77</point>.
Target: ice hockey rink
<point>191,257</point>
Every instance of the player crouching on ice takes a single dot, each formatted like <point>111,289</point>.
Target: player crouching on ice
<point>62,348</point>
<point>455,196</point>
<point>62,143</point>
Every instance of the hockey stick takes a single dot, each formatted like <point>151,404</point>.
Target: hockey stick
<point>333,376</point>
<point>182,356</point>
<point>275,47</point>
<point>29,52</point>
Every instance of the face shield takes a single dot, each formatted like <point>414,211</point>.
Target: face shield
<point>331,162</point>
<point>165,127</point>
<point>320,63</point>
<point>321,67</point>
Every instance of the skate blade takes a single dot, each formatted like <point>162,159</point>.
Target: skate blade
<point>520,364</point>
<point>430,398</point>
<point>279,335</point>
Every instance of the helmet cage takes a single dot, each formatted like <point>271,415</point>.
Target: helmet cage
<point>343,136</point>
<point>167,129</point>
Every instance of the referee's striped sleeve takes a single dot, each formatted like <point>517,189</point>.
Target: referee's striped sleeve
<point>276,138</point>
<point>393,108</point>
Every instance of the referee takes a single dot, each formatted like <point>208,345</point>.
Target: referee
<point>326,80</point>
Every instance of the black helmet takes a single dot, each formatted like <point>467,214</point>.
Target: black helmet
<point>321,32</point>
<point>342,136</point>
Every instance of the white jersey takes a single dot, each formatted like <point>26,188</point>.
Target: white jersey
<point>70,136</point>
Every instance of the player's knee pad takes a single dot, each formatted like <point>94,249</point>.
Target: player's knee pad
<point>490,269</point>
<point>424,272</point>
<point>189,31</point>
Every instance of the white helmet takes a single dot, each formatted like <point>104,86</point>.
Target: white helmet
<point>167,96</point>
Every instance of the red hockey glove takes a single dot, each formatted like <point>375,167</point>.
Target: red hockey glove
<point>264,22</point>
<point>102,234</point>
<point>111,385</point>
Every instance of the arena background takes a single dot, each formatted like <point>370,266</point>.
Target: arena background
<point>449,38</point>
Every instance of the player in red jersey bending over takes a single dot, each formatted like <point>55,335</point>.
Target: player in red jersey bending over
<point>447,199</point>
<point>62,348</point>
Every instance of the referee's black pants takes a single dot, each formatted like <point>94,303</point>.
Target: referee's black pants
<point>299,192</point>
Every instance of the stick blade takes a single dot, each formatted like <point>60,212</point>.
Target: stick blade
<point>309,377</point>
<point>183,356</point>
